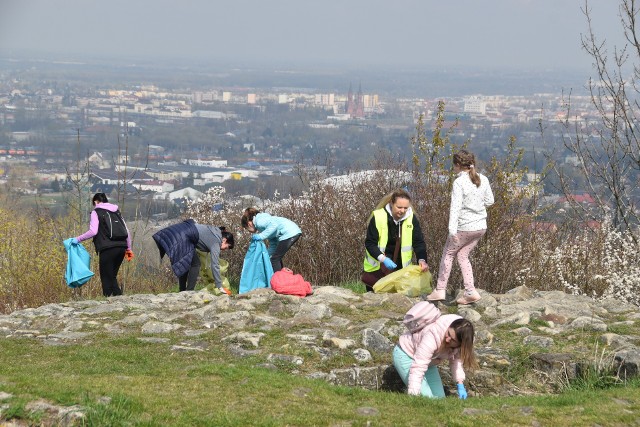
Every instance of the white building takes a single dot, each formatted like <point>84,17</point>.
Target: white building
<point>205,163</point>
<point>325,99</point>
<point>283,99</point>
<point>206,114</point>
<point>340,117</point>
<point>475,105</point>
<point>185,193</point>
<point>155,186</point>
<point>97,159</point>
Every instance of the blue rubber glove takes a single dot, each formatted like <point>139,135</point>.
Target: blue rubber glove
<point>74,241</point>
<point>255,238</point>
<point>462,392</point>
<point>389,264</point>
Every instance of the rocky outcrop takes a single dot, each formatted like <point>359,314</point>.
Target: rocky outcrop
<point>347,338</point>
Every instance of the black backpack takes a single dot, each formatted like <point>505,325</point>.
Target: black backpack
<point>114,226</point>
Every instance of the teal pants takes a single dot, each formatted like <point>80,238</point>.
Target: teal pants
<point>431,382</point>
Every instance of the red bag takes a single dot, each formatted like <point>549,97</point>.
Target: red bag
<point>285,282</point>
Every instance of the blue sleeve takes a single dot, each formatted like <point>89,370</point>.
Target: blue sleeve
<point>269,227</point>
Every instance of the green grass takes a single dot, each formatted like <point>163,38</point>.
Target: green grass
<point>538,323</point>
<point>123,381</point>
<point>356,287</point>
<point>623,329</point>
<point>521,363</point>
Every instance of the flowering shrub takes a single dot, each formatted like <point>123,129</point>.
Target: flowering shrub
<point>600,263</point>
<point>621,264</point>
<point>203,210</point>
<point>514,252</point>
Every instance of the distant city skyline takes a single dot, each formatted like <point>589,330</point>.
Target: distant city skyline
<point>533,34</point>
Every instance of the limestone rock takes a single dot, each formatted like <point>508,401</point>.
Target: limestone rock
<point>362,355</point>
<point>375,341</point>
<point>155,327</point>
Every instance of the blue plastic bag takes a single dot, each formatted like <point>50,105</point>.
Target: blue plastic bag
<point>256,269</point>
<point>78,259</point>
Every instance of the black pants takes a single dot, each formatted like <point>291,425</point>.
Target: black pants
<point>187,281</point>
<point>281,249</point>
<point>110,261</point>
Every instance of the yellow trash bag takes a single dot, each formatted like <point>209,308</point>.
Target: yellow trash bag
<point>410,281</point>
<point>206,276</point>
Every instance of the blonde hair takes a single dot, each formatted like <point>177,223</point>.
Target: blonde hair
<point>465,159</point>
<point>392,197</point>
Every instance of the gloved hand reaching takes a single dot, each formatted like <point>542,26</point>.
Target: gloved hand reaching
<point>462,392</point>
<point>128,254</point>
<point>388,262</point>
<point>255,238</point>
<point>74,241</point>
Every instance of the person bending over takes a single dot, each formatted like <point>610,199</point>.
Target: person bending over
<point>281,233</point>
<point>180,241</point>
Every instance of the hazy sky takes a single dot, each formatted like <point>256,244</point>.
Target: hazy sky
<point>471,33</point>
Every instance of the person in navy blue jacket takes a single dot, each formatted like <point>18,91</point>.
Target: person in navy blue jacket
<point>281,233</point>
<point>180,241</point>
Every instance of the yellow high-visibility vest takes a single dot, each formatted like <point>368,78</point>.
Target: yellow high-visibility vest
<point>406,240</point>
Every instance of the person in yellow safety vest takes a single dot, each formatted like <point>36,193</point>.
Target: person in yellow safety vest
<point>393,236</point>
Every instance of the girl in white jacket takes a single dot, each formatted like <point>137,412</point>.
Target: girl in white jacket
<point>470,197</point>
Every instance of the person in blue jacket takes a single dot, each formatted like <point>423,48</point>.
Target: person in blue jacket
<point>281,233</point>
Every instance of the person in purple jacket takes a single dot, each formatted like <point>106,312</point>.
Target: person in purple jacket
<point>111,253</point>
<point>418,354</point>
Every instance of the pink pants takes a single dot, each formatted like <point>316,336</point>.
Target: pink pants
<point>467,240</point>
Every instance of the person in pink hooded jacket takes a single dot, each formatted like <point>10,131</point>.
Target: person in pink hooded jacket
<point>417,355</point>
<point>111,253</point>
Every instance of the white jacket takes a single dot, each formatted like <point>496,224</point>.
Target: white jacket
<point>469,204</point>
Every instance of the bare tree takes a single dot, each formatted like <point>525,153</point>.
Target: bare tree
<point>608,149</point>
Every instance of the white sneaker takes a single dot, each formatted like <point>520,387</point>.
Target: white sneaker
<point>437,295</point>
<point>469,297</point>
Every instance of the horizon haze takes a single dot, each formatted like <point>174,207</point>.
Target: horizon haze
<point>508,34</point>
